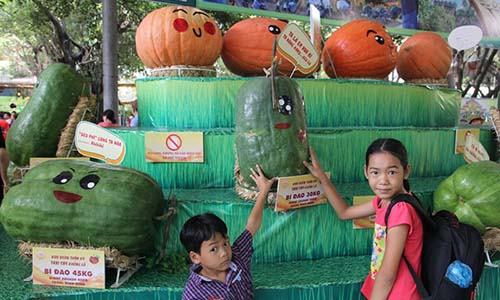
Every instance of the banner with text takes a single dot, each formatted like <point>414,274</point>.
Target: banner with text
<point>295,46</point>
<point>474,150</point>
<point>96,142</point>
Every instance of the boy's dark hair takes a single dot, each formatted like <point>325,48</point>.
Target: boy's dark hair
<point>201,228</point>
<point>393,147</point>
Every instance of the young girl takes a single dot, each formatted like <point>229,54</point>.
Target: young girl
<point>387,171</point>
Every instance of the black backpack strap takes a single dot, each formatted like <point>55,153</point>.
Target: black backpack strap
<point>415,202</point>
<point>420,286</point>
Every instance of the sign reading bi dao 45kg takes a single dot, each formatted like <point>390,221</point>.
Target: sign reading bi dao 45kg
<point>69,267</point>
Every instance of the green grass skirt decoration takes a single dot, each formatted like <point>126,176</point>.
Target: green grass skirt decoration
<point>209,103</point>
<point>340,151</point>
<point>331,278</point>
<point>277,239</point>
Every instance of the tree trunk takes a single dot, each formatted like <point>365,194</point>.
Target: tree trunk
<point>109,57</point>
<point>483,71</point>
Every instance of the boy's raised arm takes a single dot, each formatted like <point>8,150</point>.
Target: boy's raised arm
<point>264,185</point>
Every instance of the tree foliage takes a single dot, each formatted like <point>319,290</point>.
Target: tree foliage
<point>70,31</point>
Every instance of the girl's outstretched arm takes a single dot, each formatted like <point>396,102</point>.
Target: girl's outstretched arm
<point>386,276</point>
<point>343,210</point>
<point>264,185</point>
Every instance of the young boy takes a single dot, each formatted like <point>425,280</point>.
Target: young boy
<point>220,271</point>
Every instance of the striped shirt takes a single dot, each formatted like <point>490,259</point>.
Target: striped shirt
<point>238,285</point>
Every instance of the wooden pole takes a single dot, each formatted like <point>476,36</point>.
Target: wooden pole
<point>110,57</point>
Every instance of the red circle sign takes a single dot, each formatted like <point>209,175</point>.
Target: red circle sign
<point>173,142</point>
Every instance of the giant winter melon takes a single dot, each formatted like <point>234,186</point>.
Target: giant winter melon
<point>86,202</point>
<point>273,136</point>
<point>38,127</point>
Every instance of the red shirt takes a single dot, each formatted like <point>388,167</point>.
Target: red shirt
<point>5,127</point>
<point>404,287</point>
<point>107,124</point>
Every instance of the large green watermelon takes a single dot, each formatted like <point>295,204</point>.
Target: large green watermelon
<point>274,137</point>
<point>37,130</point>
<point>472,192</point>
<point>90,203</point>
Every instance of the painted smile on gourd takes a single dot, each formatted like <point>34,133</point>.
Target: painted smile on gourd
<point>88,182</point>
<point>197,34</point>
<point>66,197</point>
<point>282,125</point>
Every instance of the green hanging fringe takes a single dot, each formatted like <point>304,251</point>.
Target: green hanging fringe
<point>332,236</point>
<point>331,278</point>
<point>340,151</point>
<point>209,103</point>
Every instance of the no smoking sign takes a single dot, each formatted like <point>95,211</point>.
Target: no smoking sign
<point>174,147</point>
<point>173,142</point>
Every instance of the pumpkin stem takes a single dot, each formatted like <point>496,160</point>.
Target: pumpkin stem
<point>274,67</point>
<point>330,62</point>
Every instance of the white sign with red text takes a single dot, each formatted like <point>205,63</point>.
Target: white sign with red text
<point>94,141</point>
<point>474,150</point>
<point>296,46</point>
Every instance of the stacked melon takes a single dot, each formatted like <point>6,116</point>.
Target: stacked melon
<point>179,41</point>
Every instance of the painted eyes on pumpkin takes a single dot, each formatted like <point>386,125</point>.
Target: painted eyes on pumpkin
<point>180,25</point>
<point>379,39</point>
<point>89,182</point>
<point>63,177</point>
<point>285,105</point>
<point>274,29</point>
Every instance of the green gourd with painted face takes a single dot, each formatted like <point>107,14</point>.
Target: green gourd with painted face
<point>271,135</point>
<point>89,203</point>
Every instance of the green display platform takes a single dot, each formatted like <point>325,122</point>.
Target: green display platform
<point>341,151</point>
<point>209,103</point>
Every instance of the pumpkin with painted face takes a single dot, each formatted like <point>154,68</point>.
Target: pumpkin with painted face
<point>178,35</point>
<point>90,203</point>
<point>248,47</point>
<point>359,49</point>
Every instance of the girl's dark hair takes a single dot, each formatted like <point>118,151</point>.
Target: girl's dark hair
<point>393,147</point>
<point>201,228</point>
<point>110,115</point>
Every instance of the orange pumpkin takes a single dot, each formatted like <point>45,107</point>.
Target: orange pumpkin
<point>248,47</point>
<point>178,35</point>
<point>359,49</point>
<point>425,55</point>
